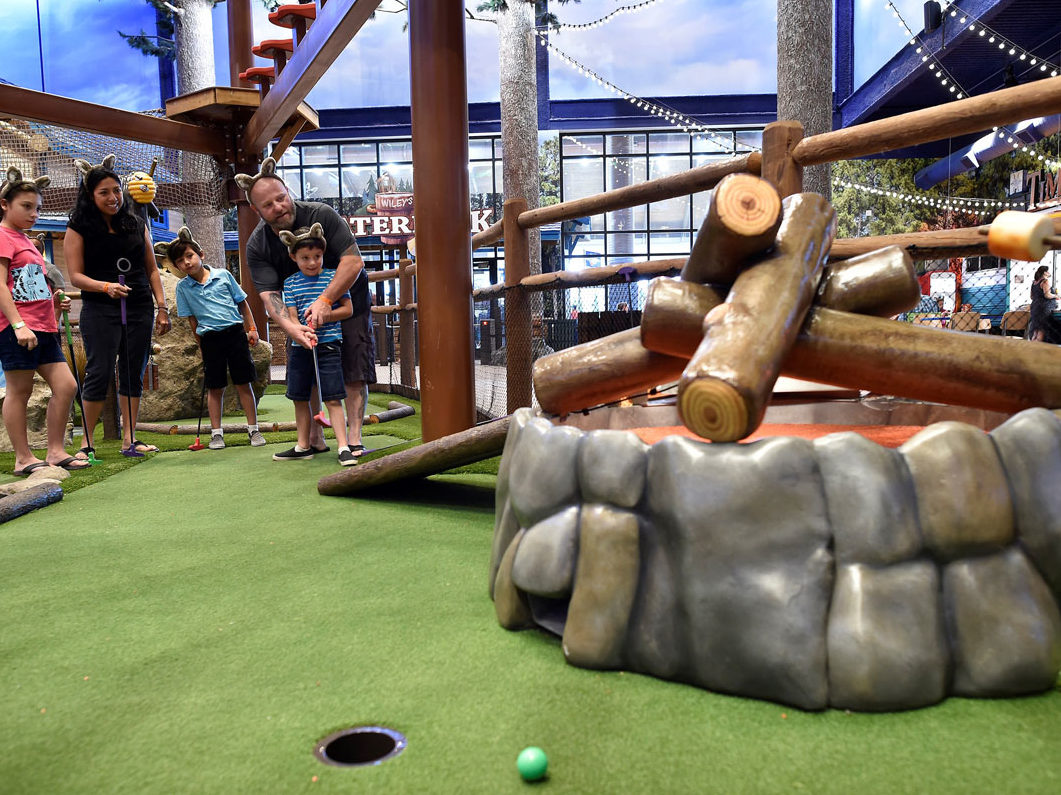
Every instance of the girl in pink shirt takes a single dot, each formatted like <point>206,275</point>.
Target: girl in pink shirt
<point>28,339</point>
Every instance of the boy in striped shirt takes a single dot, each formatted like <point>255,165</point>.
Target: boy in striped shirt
<point>306,247</point>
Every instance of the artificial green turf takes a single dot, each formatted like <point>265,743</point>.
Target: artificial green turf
<point>273,407</point>
<point>197,622</point>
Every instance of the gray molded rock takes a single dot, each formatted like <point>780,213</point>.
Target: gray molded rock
<point>505,530</point>
<point>963,501</point>
<point>511,607</point>
<point>543,477</point>
<point>516,424</point>
<point>605,587</point>
<point>870,500</point>
<point>1004,624</point>
<point>887,648</point>
<point>746,534</point>
<point>611,466</point>
<point>545,562</point>
<point>1030,447</point>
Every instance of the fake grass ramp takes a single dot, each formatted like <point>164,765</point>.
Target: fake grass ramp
<point>197,622</point>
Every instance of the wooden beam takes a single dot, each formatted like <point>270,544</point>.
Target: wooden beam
<point>287,135</point>
<point>975,114</point>
<point>694,180</point>
<point>75,114</point>
<point>335,26</point>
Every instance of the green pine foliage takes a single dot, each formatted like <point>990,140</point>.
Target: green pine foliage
<point>861,213</point>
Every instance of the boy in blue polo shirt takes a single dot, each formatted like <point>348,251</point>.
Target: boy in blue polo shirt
<point>216,308</point>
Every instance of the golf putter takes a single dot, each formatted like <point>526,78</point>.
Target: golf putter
<point>77,377</point>
<point>198,445</point>
<point>320,418</point>
<point>124,266</point>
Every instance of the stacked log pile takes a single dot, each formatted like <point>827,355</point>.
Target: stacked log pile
<point>775,307</point>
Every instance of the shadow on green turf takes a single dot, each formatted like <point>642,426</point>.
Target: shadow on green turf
<point>439,491</point>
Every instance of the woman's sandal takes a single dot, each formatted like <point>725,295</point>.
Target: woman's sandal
<point>89,453</point>
<point>143,447</point>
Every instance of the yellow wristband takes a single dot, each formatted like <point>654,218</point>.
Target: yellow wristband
<point>252,328</point>
<point>106,287</point>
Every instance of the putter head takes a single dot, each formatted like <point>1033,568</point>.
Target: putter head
<point>322,420</point>
<point>197,445</point>
<point>132,452</point>
<point>92,460</point>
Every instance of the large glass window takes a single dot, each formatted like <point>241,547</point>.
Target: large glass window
<point>660,230</point>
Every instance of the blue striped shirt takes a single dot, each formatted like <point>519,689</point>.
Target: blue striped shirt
<point>300,291</point>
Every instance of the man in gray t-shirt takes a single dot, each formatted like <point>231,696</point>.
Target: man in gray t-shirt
<point>270,264</point>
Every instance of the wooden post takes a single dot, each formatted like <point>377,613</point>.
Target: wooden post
<point>517,308</point>
<point>439,99</point>
<point>239,42</point>
<point>779,167</point>
<point>246,220</point>
<point>406,324</point>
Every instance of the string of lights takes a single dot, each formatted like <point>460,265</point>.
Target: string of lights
<point>608,17</point>
<point>669,115</point>
<point>994,36</point>
<point>947,80</point>
<point>969,204</point>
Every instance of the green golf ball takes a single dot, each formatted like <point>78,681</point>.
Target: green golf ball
<point>532,763</point>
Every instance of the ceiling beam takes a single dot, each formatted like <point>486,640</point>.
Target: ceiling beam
<point>22,103</point>
<point>336,24</point>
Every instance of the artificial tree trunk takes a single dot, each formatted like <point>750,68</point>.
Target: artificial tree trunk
<point>195,70</point>
<point>805,75</point>
<point>519,118</point>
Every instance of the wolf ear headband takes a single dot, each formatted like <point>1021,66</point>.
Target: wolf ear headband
<point>183,236</point>
<point>14,179</point>
<point>292,239</point>
<point>85,167</point>
<point>268,169</point>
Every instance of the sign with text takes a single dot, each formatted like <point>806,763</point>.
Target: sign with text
<point>393,222</point>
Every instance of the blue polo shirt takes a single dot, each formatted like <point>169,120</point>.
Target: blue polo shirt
<point>214,304</point>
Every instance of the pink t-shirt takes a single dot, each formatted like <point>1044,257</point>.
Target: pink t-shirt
<point>25,280</point>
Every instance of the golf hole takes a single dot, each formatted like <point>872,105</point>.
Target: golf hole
<point>360,746</point>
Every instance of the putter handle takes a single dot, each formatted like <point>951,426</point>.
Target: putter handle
<point>121,281</point>
<point>66,320</point>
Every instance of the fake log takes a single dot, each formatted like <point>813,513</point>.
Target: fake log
<point>447,452</point>
<point>742,220</point>
<point>228,427</point>
<point>395,411</point>
<point>723,392</point>
<point>943,366</point>
<point>881,283</point>
<point>635,361</point>
<point>900,359</point>
<point>606,369</point>
<point>22,502</point>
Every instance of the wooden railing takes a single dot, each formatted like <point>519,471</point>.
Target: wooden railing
<point>785,153</point>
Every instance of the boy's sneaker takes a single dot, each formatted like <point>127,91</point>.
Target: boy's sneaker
<point>217,442</point>
<point>257,440</point>
<point>293,455</point>
<point>346,458</point>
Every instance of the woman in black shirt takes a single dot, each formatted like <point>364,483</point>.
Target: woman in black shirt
<point>102,232</point>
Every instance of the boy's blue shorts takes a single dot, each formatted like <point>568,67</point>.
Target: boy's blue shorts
<point>300,376</point>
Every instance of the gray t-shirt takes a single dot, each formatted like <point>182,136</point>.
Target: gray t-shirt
<point>270,263</point>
